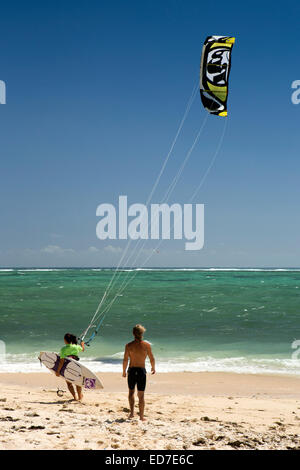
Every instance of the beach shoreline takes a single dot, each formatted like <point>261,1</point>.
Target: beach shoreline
<point>200,410</point>
<point>177,383</point>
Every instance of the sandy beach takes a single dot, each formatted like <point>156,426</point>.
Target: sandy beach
<point>183,411</point>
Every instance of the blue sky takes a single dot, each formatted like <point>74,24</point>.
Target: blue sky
<point>95,94</point>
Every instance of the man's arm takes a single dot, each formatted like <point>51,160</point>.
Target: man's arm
<point>125,360</point>
<point>152,360</point>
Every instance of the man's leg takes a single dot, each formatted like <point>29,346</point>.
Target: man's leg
<point>131,402</point>
<point>141,405</point>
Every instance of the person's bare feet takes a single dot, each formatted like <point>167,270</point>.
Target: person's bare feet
<point>131,416</point>
<point>80,397</point>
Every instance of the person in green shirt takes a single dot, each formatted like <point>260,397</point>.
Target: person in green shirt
<point>71,349</point>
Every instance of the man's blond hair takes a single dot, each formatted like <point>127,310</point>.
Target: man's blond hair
<point>138,331</point>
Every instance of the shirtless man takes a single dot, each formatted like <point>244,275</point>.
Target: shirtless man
<point>137,351</point>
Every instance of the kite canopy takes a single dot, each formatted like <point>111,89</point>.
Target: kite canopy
<point>214,73</point>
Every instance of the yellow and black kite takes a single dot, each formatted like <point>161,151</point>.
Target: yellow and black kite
<point>214,73</point>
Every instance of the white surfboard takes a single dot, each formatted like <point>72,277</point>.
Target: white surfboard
<point>72,371</point>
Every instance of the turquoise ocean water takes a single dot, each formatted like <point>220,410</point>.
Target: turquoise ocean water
<point>240,320</point>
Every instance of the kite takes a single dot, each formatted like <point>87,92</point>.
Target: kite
<point>214,73</point>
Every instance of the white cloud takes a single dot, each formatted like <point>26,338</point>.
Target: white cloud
<point>112,249</point>
<point>93,249</point>
<point>56,250</point>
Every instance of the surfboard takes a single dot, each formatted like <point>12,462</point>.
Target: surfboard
<point>72,371</point>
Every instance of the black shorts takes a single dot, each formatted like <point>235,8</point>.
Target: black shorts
<point>136,376</point>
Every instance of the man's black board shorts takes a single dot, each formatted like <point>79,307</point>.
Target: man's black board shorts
<point>136,376</point>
